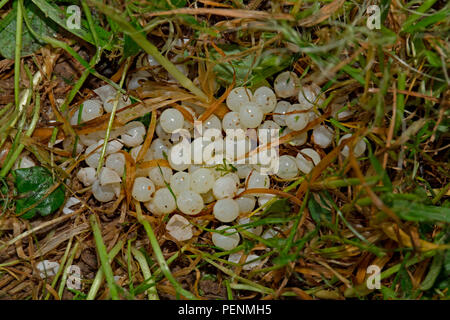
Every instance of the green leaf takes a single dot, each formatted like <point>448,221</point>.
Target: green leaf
<point>433,58</point>
<point>32,185</point>
<point>60,16</point>
<point>30,44</point>
<point>279,206</point>
<point>317,211</point>
<point>413,211</point>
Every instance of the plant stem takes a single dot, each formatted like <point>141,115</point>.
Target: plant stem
<point>17,53</point>
<point>152,292</point>
<point>100,275</point>
<point>66,269</point>
<point>101,249</point>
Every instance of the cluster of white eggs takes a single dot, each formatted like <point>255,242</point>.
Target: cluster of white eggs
<point>186,189</point>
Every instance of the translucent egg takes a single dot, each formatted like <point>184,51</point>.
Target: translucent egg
<point>257,180</point>
<point>322,136</point>
<point>109,176</point>
<point>161,133</point>
<point>105,91</point>
<point>265,98</point>
<point>109,102</point>
<point>116,162</point>
<point>164,201</point>
<point>308,96</point>
<point>251,115</point>
<point>246,202</point>
<point>269,125</point>
<point>243,170</point>
<point>287,167</point>
<point>298,140</point>
<point>226,210</point>
<point>286,84</point>
<point>235,178</point>
<point>255,230</point>
<point>171,120</point>
<point>87,176</point>
<point>212,122</point>
<point>358,149</point>
<point>250,263</point>
<point>143,189</point>
<point>306,160</point>
<point>238,97</point>
<point>269,234</point>
<point>231,121</point>
<point>105,193</point>
<point>134,152</point>
<point>176,158</point>
<point>264,198</point>
<point>297,121</point>
<point>190,202</point>
<point>224,187</point>
<point>228,240</point>
<point>159,149</point>
<point>281,108</point>
<point>180,181</point>
<point>202,180</point>
<point>150,205</point>
<point>179,228</point>
<point>136,79</point>
<point>158,178</point>
<point>134,134</point>
<point>91,110</point>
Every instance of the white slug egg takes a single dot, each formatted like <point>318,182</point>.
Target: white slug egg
<point>158,178</point>
<point>190,202</point>
<point>246,202</point>
<point>231,121</point>
<point>202,180</point>
<point>108,104</point>
<point>228,240</point>
<point>134,134</point>
<point>105,193</point>
<point>287,167</point>
<point>87,176</point>
<point>264,198</point>
<point>238,97</point>
<point>298,140</point>
<point>297,121</point>
<point>116,162</point>
<point>281,108</point>
<point>159,149</point>
<point>306,160</point>
<point>251,115</point>
<point>224,187</point>
<point>308,96</point>
<point>250,263</point>
<point>180,181</point>
<point>143,189</point>
<point>322,136</point>
<point>257,180</point>
<point>163,201</point>
<point>109,176</point>
<point>358,149</point>
<point>179,228</point>
<point>161,133</point>
<point>243,170</point>
<point>91,110</point>
<point>286,84</point>
<point>212,122</point>
<point>171,120</point>
<point>226,210</point>
<point>265,98</point>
